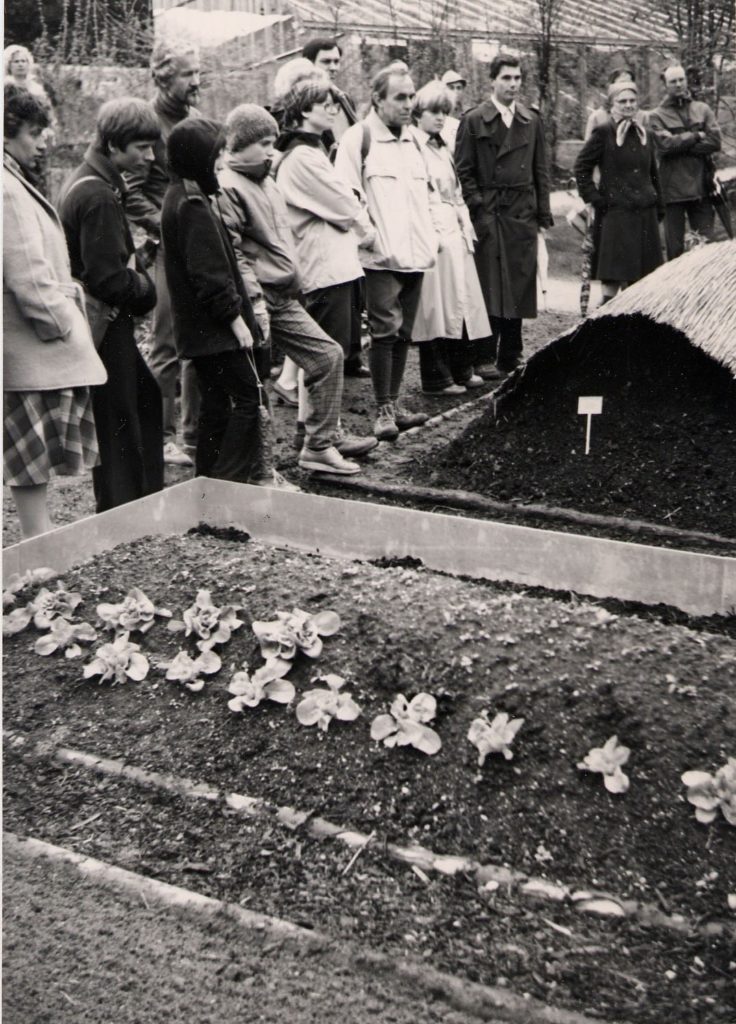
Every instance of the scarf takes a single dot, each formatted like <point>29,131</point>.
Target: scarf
<point>436,139</point>
<point>622,126</point>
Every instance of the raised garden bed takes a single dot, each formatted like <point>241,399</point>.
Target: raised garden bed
<point>574,672</point>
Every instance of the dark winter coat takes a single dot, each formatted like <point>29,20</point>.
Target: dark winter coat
<point>206,289</point>
<point>628,203</point>
<point>99,239</point>
<point>505,183</point>
<point>684,157</point>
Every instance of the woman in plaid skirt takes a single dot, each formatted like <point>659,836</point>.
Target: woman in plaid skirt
<point>49,360</point>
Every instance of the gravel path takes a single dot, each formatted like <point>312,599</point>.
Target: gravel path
<point>75,953</point>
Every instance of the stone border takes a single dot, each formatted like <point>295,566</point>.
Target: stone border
<point>490,878</point>
<point>484,1002</point>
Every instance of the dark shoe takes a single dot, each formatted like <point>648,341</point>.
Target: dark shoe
<point>357,370</point>
<point>451,389</point>
<point>512,367</point>
<point>287,396</point>
<point>405,419</point>
<point>329,460</point>
<point>385,427</point>
<point>351,446</point>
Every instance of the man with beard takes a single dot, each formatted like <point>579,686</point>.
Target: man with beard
<point>176,72</point>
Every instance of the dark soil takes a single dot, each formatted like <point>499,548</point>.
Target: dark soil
<point>576,674</point>
<point>663,449</point>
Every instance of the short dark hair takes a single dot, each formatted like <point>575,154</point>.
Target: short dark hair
<point>313,47</point>
<point>502,60</point>
<point>20,108</point>
<point>300,100</point>
<point>125,120</point>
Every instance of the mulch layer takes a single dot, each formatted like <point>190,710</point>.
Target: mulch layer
<point>663,449</point>
<point>577,675</point>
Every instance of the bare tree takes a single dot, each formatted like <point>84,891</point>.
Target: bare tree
<point>705,32</point>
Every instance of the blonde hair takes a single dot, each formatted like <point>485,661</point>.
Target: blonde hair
<point>300,69</point>
<point>434,96</point>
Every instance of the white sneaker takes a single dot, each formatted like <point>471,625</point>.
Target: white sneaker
<point>329,460</point>
<point>476,381</point>
<point>277,481</point>
<point>174,456</point>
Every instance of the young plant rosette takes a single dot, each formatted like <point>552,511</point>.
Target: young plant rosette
<point>117,662</point>
<point>19,581</point>
<point>135,613</point>
<point>406,724</point>
<point>46,606</point>
<point>320,706</point>
<point>608,760</point>
<point>189,671</point>
<point>293,631</point>
<point>211,624</point>
<point>65,636</point>
<point>266,683</point>
<point>707,793</point>
<point>494,737</point>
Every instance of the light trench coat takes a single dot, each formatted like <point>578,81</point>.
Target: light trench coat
<point>393,181</point>
<point>451,294</point>
<point>47,344</point>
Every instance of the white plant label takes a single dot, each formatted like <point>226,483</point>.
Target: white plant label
<point>588,406</point>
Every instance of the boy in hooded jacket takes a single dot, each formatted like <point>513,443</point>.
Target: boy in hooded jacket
<point>214,323</point>
<point>255,215</point>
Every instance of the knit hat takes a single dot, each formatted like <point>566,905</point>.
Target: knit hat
<point>248,123</point>
<point>616,88</point>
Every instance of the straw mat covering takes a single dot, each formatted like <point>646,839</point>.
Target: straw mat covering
<point>695,294</point>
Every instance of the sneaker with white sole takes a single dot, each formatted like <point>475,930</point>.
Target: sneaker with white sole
<point>405,418</point>
<point>174,456</point>
<point>277,481</point>
<point>451,389</point>
<point>328,460</point>
<point>476,381</point>
<point>385,428</point>
<point>351,446</point>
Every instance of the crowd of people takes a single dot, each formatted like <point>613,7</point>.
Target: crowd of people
<point>275,233</point>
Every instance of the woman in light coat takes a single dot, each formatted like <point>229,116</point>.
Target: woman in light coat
<point>49,360</point>
<point>452,314</point>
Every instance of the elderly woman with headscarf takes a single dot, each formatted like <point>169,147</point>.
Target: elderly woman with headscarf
<point>627,200</point>
<point>49,361</point>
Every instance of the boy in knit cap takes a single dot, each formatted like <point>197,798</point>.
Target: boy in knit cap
<point>254,213</point>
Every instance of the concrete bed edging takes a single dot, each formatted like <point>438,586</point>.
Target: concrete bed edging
<point>699,584</point>
<point>490,877</point>
<point>484,1002</point>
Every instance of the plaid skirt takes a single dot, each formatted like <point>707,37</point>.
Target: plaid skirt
<point>47,432</point>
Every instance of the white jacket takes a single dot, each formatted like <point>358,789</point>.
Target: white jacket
<point>326,218</point>
<point>395,185</point>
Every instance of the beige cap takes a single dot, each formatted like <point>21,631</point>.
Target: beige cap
<point>451,77</point>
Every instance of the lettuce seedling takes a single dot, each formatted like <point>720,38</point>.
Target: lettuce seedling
<point>211,624</point>
<point>320,706</point>
<point>66,636</point>
<point>406,724</point>
<point>296,630</point>
<point>18,582</point>
<point>494,737</point>
<point>46,606</point>
<point>187,670</point>
<point>266,683</point>
<point>707,793</point>
<point>118,662</point>
<point>135,612</point>
<point>608,760</point>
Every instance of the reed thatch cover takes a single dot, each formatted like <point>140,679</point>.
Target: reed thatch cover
<point>695,294</point>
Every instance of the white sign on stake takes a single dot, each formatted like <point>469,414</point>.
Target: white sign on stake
<point>591,405</point>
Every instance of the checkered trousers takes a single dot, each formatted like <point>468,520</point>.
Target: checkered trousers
<point>47,432</point>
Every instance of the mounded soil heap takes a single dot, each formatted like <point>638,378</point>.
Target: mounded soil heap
<point>663,448</point>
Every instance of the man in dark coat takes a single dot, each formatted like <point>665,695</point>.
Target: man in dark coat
<point>501,161</point>
<point>128,407</point>
<point>327,55</point>
<point>687,135</point>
